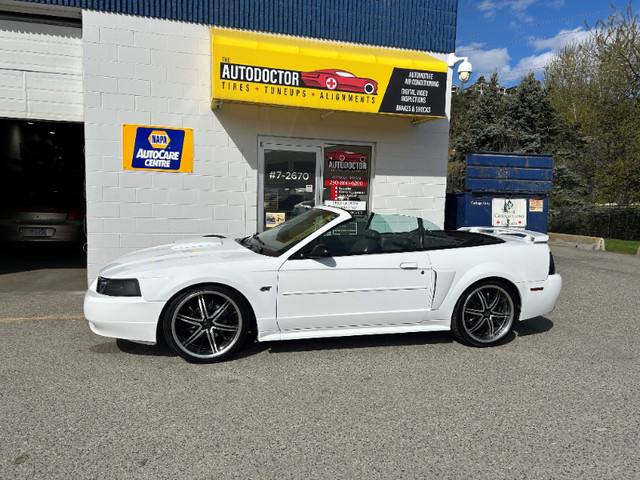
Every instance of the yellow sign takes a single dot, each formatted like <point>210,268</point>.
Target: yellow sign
<point>275,70</point>
<point>159,149</point>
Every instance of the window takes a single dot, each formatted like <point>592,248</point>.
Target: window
<point>289,182</point>
<point>295,175</point>
<point>372,234</point>
<point>279,239</point>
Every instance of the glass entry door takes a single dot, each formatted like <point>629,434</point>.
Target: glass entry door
<point>289,183</point>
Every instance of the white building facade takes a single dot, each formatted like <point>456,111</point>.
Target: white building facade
<point>158,73</point>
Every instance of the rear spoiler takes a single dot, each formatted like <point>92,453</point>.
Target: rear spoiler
<point>527,235</point>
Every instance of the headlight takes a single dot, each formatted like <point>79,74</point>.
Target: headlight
<point>119,287</point>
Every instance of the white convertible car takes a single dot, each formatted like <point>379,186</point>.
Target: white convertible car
<point>325,273</point>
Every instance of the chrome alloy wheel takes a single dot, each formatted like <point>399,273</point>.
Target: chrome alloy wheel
<point>207,324</point>
<point>488,313</point>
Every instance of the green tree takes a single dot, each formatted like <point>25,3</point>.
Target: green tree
<point>484,118</point>
<point>534,122</point>
<point>595,86</point>
<point>478,123</point>
<point>460,106</point>
<point>488,127</point>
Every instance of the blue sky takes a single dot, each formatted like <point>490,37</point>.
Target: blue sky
<point>516,37</point>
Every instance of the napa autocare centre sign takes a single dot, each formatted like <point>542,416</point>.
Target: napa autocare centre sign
<point>153,148</point>
<point>274,70</point>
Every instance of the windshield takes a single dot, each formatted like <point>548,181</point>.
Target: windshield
<point>279,239</point>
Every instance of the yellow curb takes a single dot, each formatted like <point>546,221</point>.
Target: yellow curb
<point>22,319</point>
<point>579,241</point>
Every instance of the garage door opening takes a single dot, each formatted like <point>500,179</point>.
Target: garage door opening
<point>42,178</point>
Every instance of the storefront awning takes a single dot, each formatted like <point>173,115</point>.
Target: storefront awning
<point>296,72</point>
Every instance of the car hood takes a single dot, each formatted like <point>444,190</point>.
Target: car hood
<point>182,253</point>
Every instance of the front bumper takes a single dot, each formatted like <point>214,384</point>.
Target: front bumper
<point>539,298</point>
<point>129,318</point>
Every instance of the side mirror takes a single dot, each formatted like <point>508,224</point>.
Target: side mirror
<point>319,251</point>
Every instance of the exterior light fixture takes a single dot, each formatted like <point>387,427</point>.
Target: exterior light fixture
<point>464,69</point>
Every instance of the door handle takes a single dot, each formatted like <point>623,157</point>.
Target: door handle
<point>409,266</point>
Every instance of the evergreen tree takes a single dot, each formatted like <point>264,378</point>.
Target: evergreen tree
<point>484,126</point>
<point>534,122</point>
<point>483,118</point>
<point>488,128</point>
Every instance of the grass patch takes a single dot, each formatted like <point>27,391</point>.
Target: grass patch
<point>621,246</point>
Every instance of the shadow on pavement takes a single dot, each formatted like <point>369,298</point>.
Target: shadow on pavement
<point>527,327</point>
<point>24,258</point>
<point>254,348</point>
<point>533,326</point>
<point>158,350</point>
<point>364,341</point>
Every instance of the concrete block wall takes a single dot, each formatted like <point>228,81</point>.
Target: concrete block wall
<point>157,72</point>
<point>148,72</point>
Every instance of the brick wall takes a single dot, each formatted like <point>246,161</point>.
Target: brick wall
<point>157,72</point>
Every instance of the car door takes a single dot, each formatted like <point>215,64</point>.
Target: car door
<point>384,286</point>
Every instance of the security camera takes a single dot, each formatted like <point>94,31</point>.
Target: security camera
<point>464,71</point>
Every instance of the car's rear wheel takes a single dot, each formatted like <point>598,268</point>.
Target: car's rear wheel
<point>484,314</point>
<point>369,88</point>
<point>206,324</point>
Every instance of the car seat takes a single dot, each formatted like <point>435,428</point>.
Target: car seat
<point>368,243</point>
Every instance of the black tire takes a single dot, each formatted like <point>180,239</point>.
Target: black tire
<point>485,314</point>
<point>206,324</point>
<point>369,88</point>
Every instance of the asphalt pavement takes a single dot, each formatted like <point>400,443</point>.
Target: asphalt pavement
<point>42,281</point>
<point>559,399</point>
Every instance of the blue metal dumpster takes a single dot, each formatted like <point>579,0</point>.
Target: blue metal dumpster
<point>504,190</point>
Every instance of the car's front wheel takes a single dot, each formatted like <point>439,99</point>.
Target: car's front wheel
<point>206,324</point>
<point>484,314</point>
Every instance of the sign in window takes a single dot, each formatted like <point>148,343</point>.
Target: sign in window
<point>296,177</point>
<point>346,177</point>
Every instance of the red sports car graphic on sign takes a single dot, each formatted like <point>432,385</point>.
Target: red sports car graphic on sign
<point>346,156</point>
<point>333,79</point>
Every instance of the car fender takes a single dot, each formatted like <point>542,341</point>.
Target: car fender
<point>444,302</point>
<point>259,288</point>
